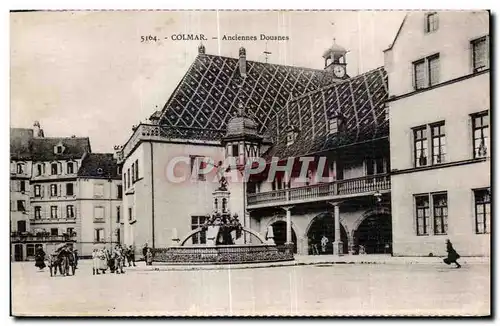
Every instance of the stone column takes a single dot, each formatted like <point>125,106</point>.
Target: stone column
<point>337,244</point>
<point>288,223</point>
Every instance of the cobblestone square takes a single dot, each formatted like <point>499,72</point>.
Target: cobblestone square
<point>313,290</point>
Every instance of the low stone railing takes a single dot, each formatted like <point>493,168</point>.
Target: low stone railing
<point>224,254</point>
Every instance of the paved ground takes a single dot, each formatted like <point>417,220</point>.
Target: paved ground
<point>321,289</point>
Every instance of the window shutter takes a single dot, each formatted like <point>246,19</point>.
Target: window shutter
<point>42,191</point>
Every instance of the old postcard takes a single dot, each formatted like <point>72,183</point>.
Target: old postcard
<point>250,163</point>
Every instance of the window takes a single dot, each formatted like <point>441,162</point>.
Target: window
<point>53,190</point>
<point>133,173</point>
<point>21,206</point>
<point>70,211</point>
<point>53,211</point>
<point>59,149</point>
<point>117,214</point>
<point>53,169</point>
<point>99,190</point>
<point>235,152</point>
<point>431,22</point>
<point>125,180</point>
<point>333,126</point>
<point>70,231</point>
<point>39,169</point>
<point>37,191</point>
<point>21,226</point>
<point>30,250</point>
<point>426,72</point>
<point>438,143</point>
<point>196,222</point>
<point>481,133</point>
<point>20,168</point>
<point>98,235</point>
<point>38,212</point>
<point>128,177</point>
<point>54,231</point>
<point>99,213</point>
<point>422,206</point>
<point>482,201</point>
<point>69,189</point>
<point>420,146</point>
<point>419,74</point>
<point>440,211</point>
<point>70,168</point>
<point>22,186</point>
<point>130,217</point>
<point>136,170</point>
<point>198,160</point>
<point>119,192</point>
<point>480,54</point>
<point>433,69</point>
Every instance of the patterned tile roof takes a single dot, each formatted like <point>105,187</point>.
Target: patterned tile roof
<point>209,94</point>
<point>361,102</point>
<point>99,165</point>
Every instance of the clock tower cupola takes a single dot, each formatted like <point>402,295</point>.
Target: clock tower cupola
<point>335,60</point>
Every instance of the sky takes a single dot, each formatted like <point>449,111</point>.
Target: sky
<point>87,73</point>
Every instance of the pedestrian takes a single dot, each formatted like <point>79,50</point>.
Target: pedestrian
<point>144,251</point>
<point>324,242</point>
<point>40,258</point>
<point>131,255</point>
<point>118,259</point>
<point>75,252</point>
<point>149,257</point>
<point>314,246</point>
<point>452,254</point>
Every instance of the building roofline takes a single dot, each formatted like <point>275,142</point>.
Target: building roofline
<point>397,34</point>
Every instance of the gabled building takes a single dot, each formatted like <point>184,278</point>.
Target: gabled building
<point>439,107</point>
<point>99,202</point>
<point>49,191</point>
<point>227,107</point>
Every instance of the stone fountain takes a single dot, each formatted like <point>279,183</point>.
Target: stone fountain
<point>224,241</point>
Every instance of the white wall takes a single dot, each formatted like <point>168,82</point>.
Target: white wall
<point>452,41</point>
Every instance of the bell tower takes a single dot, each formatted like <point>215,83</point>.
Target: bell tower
<point>335,60</point>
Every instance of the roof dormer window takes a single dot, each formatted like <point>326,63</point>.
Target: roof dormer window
<point>291,135</point>
<point>59,148</point>
<point>335,124</point>
<point>290,138</point>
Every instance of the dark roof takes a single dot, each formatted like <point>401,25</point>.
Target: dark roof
<point>209,94</point>
<point>361,102</point>
<point>42,149</point>
<point>20,143</point>
<point>99,165</point>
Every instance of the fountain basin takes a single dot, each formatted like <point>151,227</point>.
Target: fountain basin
<point>224,254</point>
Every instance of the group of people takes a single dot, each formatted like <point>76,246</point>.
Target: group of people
<point>41,257</point>
<point>114,259</point>
<point>313,244</point>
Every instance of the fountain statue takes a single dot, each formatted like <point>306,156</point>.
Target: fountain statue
<point>223,238</point>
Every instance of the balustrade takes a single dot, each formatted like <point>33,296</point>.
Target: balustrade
<point>323,190</point>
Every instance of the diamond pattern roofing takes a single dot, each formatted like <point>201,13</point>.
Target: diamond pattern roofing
<point>209,94</point>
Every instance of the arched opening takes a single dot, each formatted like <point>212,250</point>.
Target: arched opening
<point>374,234</point>
<point>279,229</point>
<point>323,225</point>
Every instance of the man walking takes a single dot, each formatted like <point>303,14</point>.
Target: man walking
<point>452,254</point>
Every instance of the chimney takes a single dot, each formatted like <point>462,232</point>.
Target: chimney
<point>243,62</point>
<point>37,131</point>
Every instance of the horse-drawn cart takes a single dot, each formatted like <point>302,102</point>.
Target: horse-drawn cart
<point>63,258</point>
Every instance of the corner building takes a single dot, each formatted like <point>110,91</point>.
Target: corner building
<point>439,107</point>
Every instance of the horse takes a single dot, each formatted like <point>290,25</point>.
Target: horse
<point>64,260</point>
